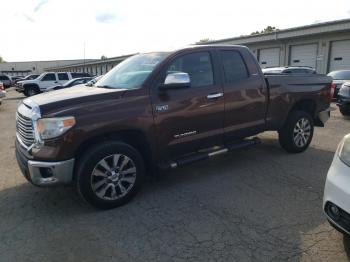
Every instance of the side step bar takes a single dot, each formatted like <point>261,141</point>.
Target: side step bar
<point>205,155</point>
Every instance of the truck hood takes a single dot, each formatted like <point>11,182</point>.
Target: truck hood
<point>27,81</point>
<point>66,99</point>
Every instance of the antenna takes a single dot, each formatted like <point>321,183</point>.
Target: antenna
<point>84,58</point>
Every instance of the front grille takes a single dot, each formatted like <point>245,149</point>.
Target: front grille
<point>24,128</point>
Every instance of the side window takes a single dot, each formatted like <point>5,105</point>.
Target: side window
<point>4,78</point>
<point>49,77</point>
<point>197,65</point>
<point>234,66</point>
<point>78,82</point>
<point>63,76</point>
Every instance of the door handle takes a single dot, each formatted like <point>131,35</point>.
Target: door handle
<point>216,95</point>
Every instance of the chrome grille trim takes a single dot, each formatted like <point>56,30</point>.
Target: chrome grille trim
<point>25,130</point>
<point>28,113</point>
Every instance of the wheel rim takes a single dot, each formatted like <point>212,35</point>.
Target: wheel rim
<point>31,92</point>
<point>302,132</point>
<point>113,177</point>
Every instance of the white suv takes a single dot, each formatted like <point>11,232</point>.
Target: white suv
<point>45,81</point>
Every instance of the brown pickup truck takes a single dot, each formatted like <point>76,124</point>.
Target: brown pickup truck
<point>161,110</point>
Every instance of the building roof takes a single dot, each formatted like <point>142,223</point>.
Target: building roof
<point>300,31</point>
<point>93,62</point>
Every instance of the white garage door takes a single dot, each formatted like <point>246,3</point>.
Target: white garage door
<point>340,55</point>
<point>303,55</point>
<point>269,57</point>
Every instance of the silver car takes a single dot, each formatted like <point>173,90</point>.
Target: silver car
<point>339,78</point>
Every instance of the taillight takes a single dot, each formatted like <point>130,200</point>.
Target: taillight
<point>332,90</point>
<point>1,87</point>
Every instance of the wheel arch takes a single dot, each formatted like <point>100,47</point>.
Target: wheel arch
<point>31,85</point>
<point>133,137</point>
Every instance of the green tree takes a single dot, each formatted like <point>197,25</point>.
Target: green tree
<point>268,29</point>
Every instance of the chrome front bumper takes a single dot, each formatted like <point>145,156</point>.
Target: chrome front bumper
<point>50,173</point>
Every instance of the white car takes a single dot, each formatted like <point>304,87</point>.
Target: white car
<point>336,199</point>
<point>45,81</point>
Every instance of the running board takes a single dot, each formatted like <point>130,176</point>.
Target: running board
<point>205,155</point>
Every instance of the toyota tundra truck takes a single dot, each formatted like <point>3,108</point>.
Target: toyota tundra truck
<point>162,110</point>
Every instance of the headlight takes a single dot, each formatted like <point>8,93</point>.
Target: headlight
<point>344,150</point>
<point>53,127</point>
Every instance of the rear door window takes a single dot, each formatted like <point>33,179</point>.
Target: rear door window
<point>63,76</point>
<point>197,65</point>
<point>234,66</point>
<point>49,77</point>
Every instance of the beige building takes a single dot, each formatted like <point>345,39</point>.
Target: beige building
<point>34,67</point>
<point>323,46</point>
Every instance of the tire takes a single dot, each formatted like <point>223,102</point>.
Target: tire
<point>31,91</point>
<point>345,111</point>
<point>297,133</point>
<point>109,189</point>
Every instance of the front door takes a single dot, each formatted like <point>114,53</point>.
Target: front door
<point>191,118</point>
<point>48,80</point>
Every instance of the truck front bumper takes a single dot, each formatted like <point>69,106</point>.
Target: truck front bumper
<point>42,173</point>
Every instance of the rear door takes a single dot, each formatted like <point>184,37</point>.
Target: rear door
<point>245,95</point>
<point>62,78</point>
<point>189,119</point>
<point>48,80</point>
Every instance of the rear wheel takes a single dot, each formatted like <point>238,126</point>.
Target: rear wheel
<point>110,174</point>
<point>297,133</point>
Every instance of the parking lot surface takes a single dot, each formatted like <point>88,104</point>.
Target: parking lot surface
<point>257,204</point>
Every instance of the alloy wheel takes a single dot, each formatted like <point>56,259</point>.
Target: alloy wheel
<point>302,132</point>
<point>113,177</point>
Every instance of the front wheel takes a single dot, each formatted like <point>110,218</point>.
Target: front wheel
<point>31,91</point>
<point>110,174</point>
<point>297,133</point>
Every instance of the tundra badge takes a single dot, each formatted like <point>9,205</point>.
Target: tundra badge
<point>162,108</point>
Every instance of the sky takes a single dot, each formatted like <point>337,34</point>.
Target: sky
<point>59,29</point>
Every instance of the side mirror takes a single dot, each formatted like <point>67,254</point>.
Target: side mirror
<point>176,80</point>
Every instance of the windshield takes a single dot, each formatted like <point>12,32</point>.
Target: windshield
<point>340,75</point>
<point>132,72</point>
<point>69,82</point>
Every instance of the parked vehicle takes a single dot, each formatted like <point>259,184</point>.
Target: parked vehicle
<point>6,80</point>
<point>70,83</point>
<point>94,80</point>
<point>2,92</point>
<point>28,77</point>
<point>339,78</point>
<point>336,199</point>
<point>15,78</point>
<point>344,99</point>
<point>162,110</point>
<point>293,70</point>
<point>45,81</point>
